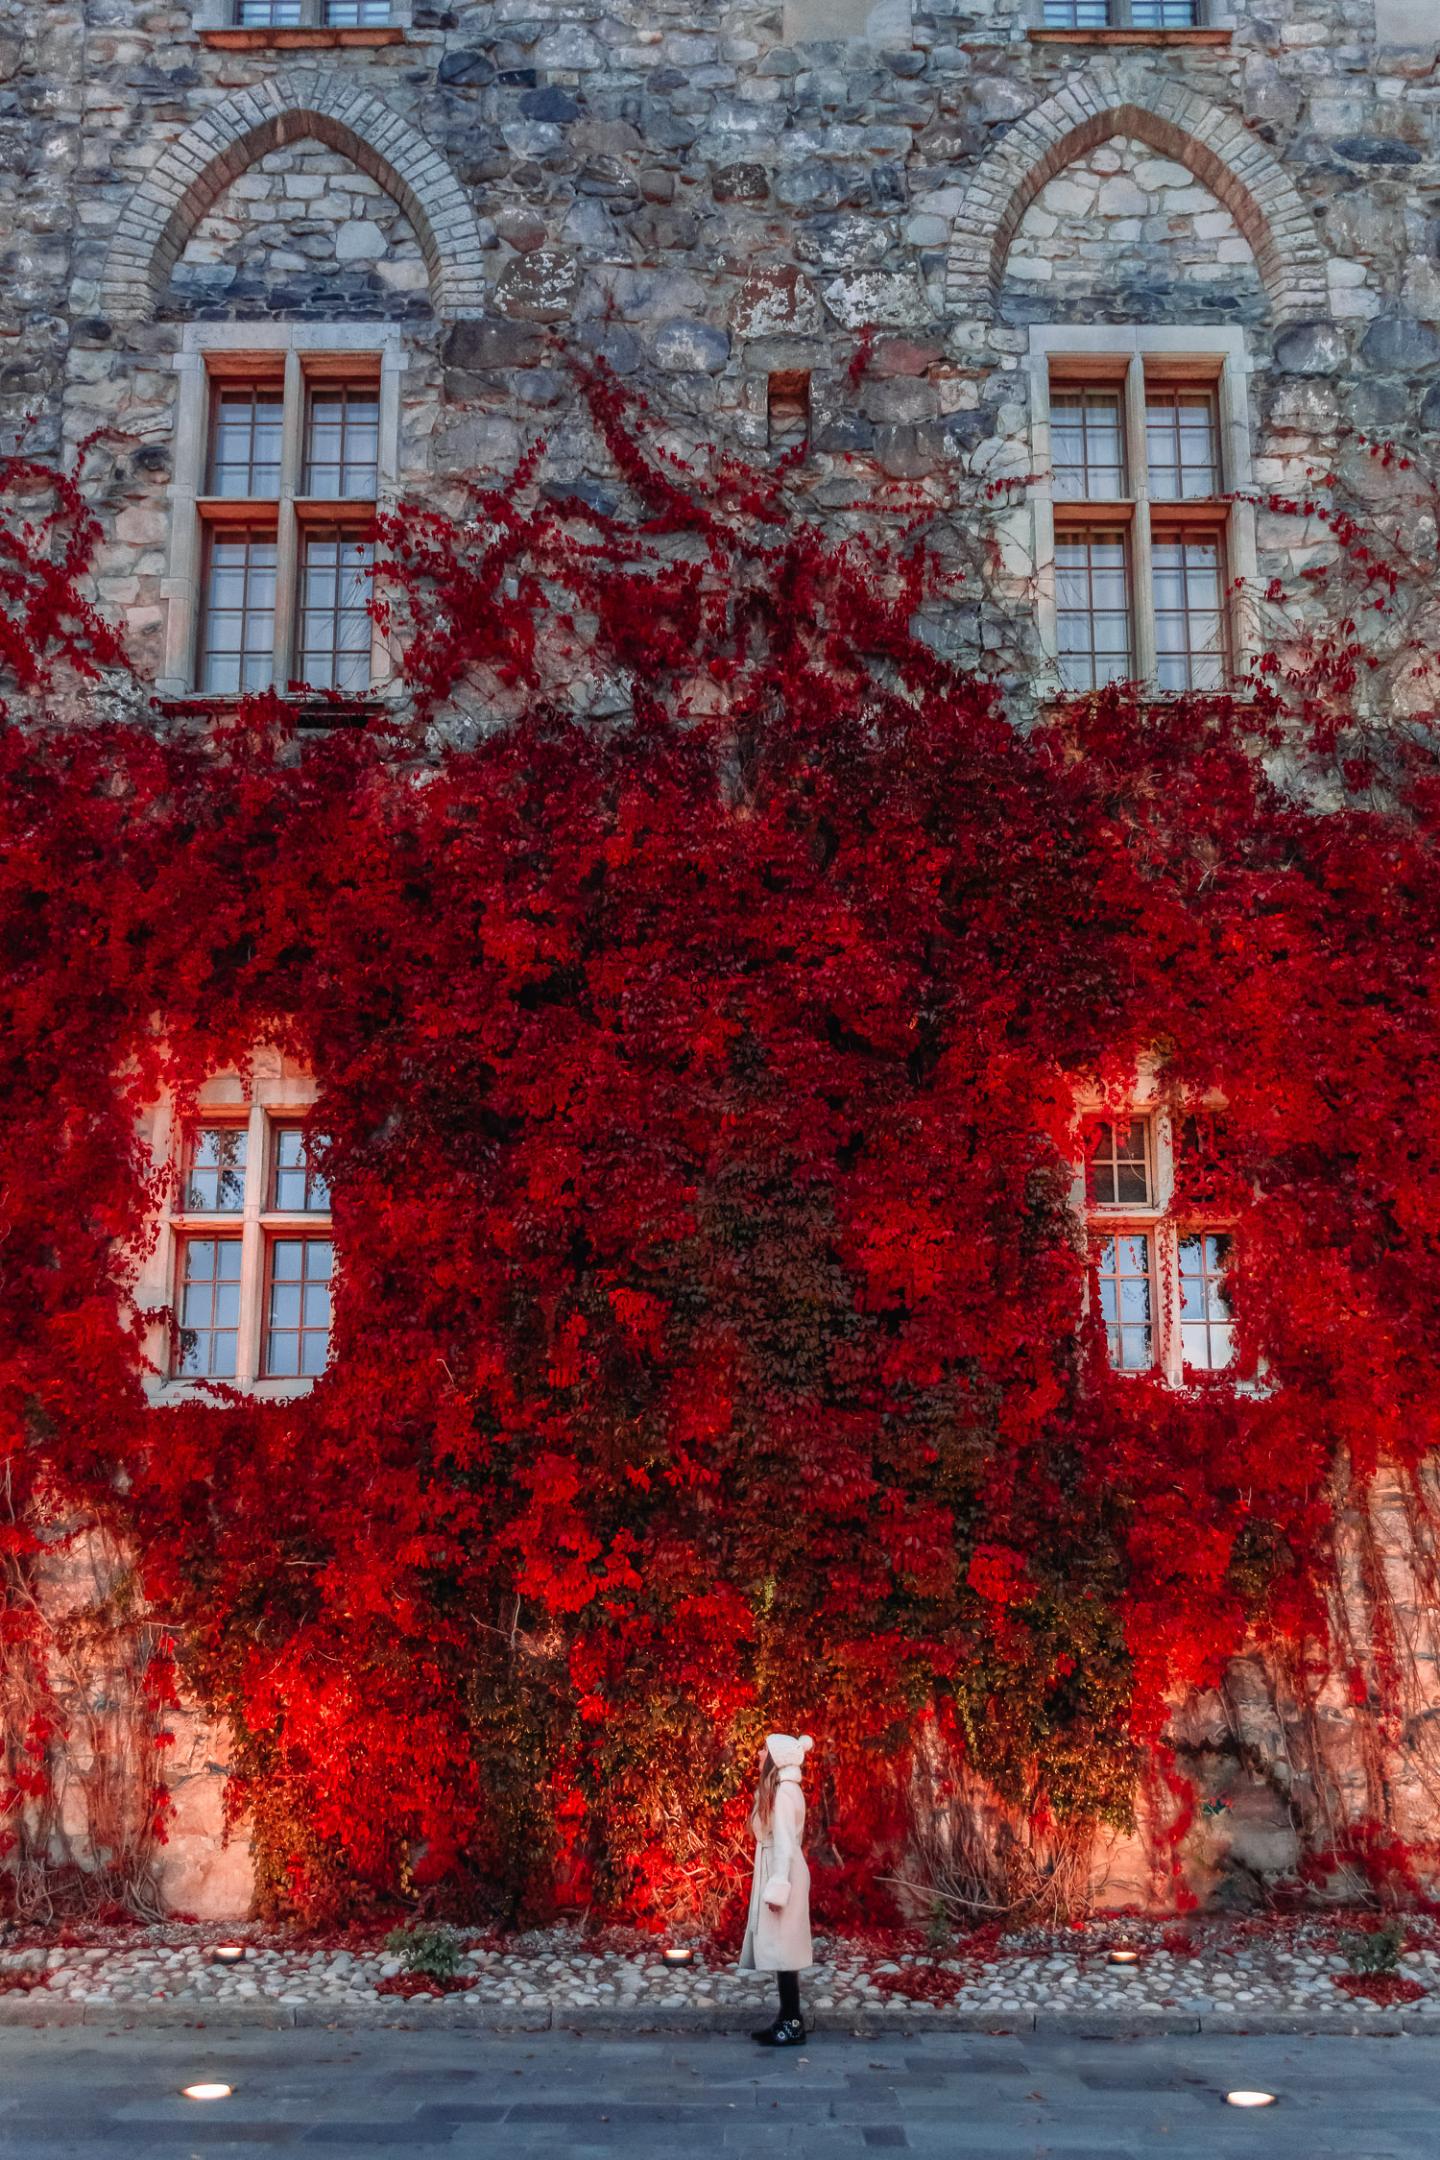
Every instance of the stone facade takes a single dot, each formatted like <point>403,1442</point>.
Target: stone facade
<point>708,198</point>
<point>710,195</point>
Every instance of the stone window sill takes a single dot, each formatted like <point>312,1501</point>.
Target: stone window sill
<point>309,713</point>
<point>1131,37</point>
<point>299,39</point>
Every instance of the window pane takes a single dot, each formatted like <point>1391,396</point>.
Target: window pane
<point>1165,14</point>
<point>1077,14</point>
<point>297,1319</point>
<point>299,1188</point>
<point>1122,1267</point>
<point>1190,620</point>
<point>1182,439</point>
<point>335,614</point>
<point>208,1308</point>
<point>1092,603</point>
<point>247,426</point>
<point>267,14</point>
<point>357,14</point>
<point>237,627</point>
<point>1117,1163</point>
<point>215,1175</point>
<point>1206,1343</point>
<point>1087,445</point>
<point>342,443</point>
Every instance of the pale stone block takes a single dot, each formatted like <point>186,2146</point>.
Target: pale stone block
<point>1406,22</point>
<point>362,241</point>
<point>1073,194</point>
<point>1120,197</point>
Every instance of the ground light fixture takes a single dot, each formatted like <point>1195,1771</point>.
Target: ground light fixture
<point>227,1953</point>
<point>1244,2097</point>
<point>206,2089</point>
<point>678,1954</point>
<point>1123,1957</point>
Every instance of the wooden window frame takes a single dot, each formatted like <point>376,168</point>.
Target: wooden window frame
<point>299,357</point>
<point>1134,359</point>
<point>219,26</point>
<point>1214,24</point>
<point>273,1095</point>
<point>1160,1221</point>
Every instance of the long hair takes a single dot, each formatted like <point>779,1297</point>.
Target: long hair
<point>765,1793</point>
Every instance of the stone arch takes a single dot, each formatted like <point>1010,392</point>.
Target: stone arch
<point>199,165</point>
<point>1173,120</point>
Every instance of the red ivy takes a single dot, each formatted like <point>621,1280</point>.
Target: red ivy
<point>698,1089</point>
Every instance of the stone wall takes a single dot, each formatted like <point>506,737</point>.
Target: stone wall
<point>302,233</point>
<point>707,204</point>
<point>708,194</point>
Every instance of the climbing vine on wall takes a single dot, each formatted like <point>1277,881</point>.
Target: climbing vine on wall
<point>698,1055</point>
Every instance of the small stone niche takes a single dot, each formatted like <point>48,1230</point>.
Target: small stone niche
<point>788,408</point>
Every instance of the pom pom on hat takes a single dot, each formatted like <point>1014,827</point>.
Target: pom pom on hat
<point>786,1751</point>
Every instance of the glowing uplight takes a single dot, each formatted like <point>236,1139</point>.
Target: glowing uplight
<point>678,1954</point>
<point>228,1953</point>
<point>1123,1957</point>
<point>1247,2099</point>
<point>206,2091</point>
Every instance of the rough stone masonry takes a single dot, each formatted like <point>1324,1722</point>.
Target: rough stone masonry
<point>713,196</point>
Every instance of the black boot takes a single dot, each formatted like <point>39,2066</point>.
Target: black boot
<point>785,2032</point>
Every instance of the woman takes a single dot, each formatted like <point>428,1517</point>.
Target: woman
<point>777,1934</point>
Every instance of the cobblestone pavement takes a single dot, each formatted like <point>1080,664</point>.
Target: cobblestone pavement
<point>1207,1976</point>
<point>552,2096</point>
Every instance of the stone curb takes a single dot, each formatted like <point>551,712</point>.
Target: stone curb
<point>454,2014</point>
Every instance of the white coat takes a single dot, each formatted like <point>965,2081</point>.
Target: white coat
<point>779,1940</point>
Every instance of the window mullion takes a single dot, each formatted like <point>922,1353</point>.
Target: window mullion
<point>287,554</point>
<point>1142,603</point>
<point>252,1249</point>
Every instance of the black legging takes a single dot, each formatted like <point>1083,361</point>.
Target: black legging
<point>789,1994</point>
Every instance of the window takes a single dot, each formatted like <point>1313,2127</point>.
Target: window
<point>297,1187</point>
<point>1087,438</point>
<point>1125,1266</point>
<point>1093,612</point>
<point>251,1255</point>
<point>208,1319</point>
<point>1205,1335</point>
<point>1143,545</point>
<point>1117,1163</point>
<point>285,453</point>
<point>335,612</point>
<point>215,1170</point>
<point>1160,1277</point>
<point>342,442</point>
<point>1182,443</point>
<point>312,14</point>
<point>238,625</point>
<point>1188,571</point>
<point>247,427</point>
<point>247,629</point>
<point>1123,14</point>
<point>297,1315</point>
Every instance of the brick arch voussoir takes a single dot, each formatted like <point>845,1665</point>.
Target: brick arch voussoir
<point>195,170</point>
<point>1235,165</point>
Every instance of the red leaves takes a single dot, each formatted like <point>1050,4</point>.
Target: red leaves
<point>700,1093</point>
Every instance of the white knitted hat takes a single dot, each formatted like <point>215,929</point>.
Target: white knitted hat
<point>787,1752</point>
